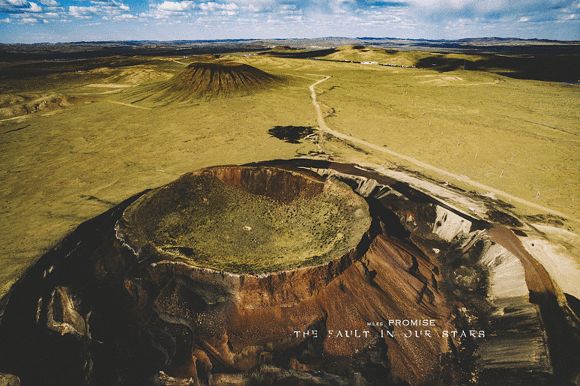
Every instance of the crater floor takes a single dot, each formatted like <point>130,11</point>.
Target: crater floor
<point>248,220</point>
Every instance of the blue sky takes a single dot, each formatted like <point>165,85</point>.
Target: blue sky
<point>74,20</point>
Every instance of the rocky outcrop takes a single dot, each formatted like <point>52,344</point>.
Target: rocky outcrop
<point>9,380</point>
<point>18,105</point>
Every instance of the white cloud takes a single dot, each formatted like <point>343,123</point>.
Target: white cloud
<point>498,8</point>
<point>28,20</point>
<point>124,16</point>
<point>105,9</point>
<point>259,5</point>
<point>261,18</point>
<point>18,6</point>
<point>169,10</point>
<point>34,7</point>
<point>176,6</point>
<point>13,3</point>
<point>82,12</point>
<point>110,6</point>
<point>219,8</point>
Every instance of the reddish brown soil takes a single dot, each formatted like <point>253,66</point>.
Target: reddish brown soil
<point>376,288</point>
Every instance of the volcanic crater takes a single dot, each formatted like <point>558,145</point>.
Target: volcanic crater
<point>206,80</point>
<point>247,220</point>
<point>256,274</point>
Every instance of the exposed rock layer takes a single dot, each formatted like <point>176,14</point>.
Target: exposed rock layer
<point>94,312</point>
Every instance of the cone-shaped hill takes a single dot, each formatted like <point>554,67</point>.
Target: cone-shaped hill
<point>206,80</point>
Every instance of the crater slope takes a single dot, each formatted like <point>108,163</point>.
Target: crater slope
<point>125,299</point>
<point>206,80</point>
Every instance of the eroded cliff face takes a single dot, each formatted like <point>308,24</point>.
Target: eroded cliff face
<point>109,307</point>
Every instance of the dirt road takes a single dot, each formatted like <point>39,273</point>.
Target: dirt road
<point>325,128</point>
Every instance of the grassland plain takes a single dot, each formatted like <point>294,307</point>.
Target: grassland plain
<point>61,169</point>
<point>63,166</point>
<point>520,136</point>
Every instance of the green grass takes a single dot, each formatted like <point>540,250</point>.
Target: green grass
<point>518,136</point>
<point>64,168</point>
<point>212,224</point>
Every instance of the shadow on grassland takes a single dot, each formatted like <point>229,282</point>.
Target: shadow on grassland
<point>545,64</point>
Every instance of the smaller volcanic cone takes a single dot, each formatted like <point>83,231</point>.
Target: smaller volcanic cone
<point>206,80</point>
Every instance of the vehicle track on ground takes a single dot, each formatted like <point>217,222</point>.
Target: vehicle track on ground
<point>346,137</point>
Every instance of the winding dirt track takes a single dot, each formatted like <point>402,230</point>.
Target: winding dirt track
<point>325,128</point>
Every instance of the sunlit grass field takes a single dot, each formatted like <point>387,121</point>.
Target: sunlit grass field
<point>61,166</point>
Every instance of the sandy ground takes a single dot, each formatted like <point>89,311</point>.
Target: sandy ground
<point>555,259</point>
<point>537,277</point>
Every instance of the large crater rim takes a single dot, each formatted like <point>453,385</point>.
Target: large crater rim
<point>246,220</point>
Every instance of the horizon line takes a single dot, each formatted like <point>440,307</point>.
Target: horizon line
<point>294,38</point>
